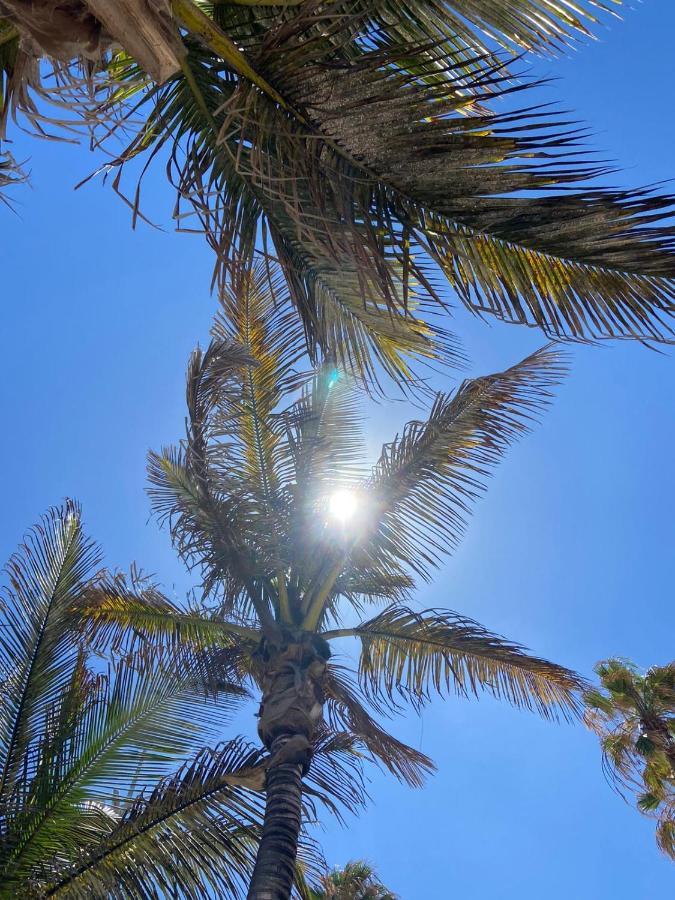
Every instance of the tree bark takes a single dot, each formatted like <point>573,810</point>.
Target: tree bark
<point>275,863</point>
<point>291,709</point>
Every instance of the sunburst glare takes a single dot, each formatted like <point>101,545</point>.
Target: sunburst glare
<point>343,505</point>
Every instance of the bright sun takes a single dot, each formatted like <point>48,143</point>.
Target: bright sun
<point>342,505</point>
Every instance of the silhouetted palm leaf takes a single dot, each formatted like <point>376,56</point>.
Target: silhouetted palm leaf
<point>358,142</point>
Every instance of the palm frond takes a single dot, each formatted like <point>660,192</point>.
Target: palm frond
<point>448,170</point>
<point>195,831</point>
<point>127,614</point>
<point>10,174</point>
<point>335,776</point>
<point>107,732</point>
<point>425,481</point>
<point>37,653</point>
<point>407,655</point>
<point>206,531</point>
<point>347,712</point>
<point>540,25</point>
<point>256,315</point>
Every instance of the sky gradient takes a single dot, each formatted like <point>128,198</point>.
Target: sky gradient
<point>570,552</point>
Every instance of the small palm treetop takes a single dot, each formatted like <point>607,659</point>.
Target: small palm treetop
<point>356,881</point>
<point>363,139</point>
<point>258,498</point>
<point>634,716</point>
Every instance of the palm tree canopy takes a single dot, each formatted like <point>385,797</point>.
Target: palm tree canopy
<point>356,881</point>
<point>248,496</point>
<point>369,145</point>
<point>634,717</point>
<point>114,781</point>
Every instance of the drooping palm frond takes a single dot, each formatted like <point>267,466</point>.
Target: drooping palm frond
<point>634,717</point>
<point>576,263</point>
<point>422,487</point>
<point>409,655</point>
<point>124,614</point>
<point>347,710</point>
<point>335,776</point>
<point>416,159</point>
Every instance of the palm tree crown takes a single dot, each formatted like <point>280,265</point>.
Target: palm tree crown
<point>356,881</point>
<point>250,498</point>
<point>634,717</point>
<point>367,145</point>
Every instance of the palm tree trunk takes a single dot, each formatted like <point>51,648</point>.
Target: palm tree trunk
<point>275,863</point>
<point>291,709</point>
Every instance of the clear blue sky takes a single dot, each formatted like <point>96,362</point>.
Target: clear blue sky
<point>570,552</point>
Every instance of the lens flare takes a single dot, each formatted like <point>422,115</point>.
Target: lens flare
<point>342,505</point>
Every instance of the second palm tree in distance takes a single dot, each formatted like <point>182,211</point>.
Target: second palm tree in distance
<point>297,542</point>
<point>634,717</point>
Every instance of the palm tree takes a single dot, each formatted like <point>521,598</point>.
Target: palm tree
<point>91,802</point>
<point>267,498</point>
<point>356,881</point>
<point>366,145</point>
<point>634,717</point>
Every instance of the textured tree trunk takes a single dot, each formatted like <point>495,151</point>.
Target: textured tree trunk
<point>275,863</point>
<point>291,708</point>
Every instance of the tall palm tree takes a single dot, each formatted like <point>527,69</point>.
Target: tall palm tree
<point>356,881</point>
<point>634,717</point>
<point>267,497</point>
<point>91,801</point>
<point>367,145</point>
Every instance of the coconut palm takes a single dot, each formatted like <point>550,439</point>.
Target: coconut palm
<point>92,803</point>
<point>356,881</point>
<point>366,145</point>
<point>295,542</point>
<point>634,717</point>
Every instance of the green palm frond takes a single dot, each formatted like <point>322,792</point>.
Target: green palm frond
<point>256,315</point>
<point>196,832</point>
<point>408,655</point>
<point>542,25</point>
<point>37,653</point>
<point>126,614</point>
<point>133,724</point>
<point>448,171</point>
<point>425,481</point>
